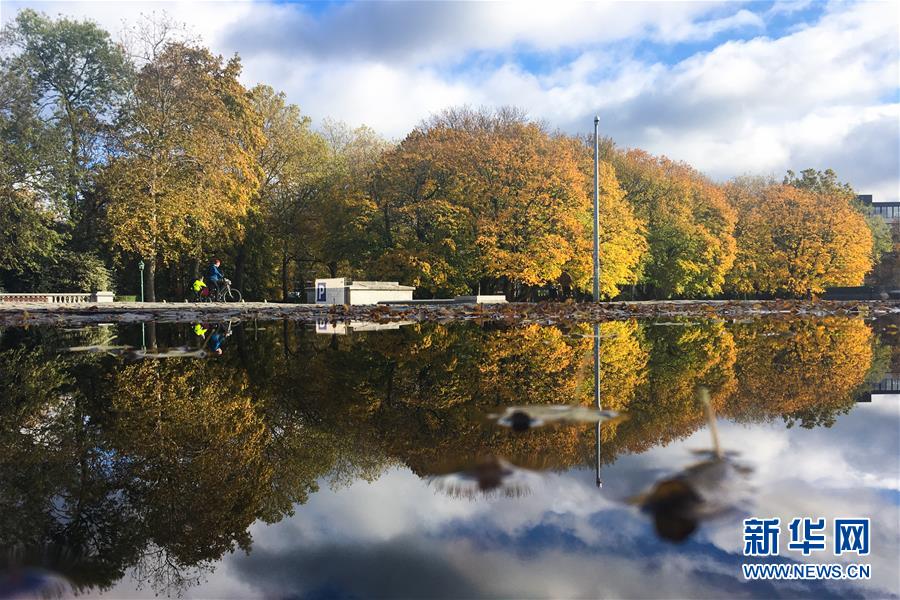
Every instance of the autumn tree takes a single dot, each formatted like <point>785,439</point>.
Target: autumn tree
<point>623,241</point>
<point>624,361</point>
<point>343,216</point>
<point>681,358</point>
<point>688,220</point>
<point>74,74</point>
<point>797,242</point>
<point>486,198</point>
<point>426,234</point>
<point>827,183</point>
<point>293,161</point>
<point>194,446</point>
<point>185,168</point>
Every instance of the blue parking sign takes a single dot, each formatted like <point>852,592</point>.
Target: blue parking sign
<point>320,291</point>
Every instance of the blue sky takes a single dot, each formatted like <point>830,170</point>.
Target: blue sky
<point>730,87</point>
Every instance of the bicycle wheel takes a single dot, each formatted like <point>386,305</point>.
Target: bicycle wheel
<point>233,295</point>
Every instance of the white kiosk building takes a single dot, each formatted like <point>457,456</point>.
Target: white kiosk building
<point>341,291</point>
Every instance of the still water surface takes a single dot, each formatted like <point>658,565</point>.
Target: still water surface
<point>279,459</point>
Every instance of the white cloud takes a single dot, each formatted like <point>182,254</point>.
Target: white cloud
<point>568,539</point>
<point>822,95</point>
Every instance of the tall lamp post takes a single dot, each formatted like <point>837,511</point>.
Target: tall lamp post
<point>141,267</point>
<point>143,330</point>
<point>597,394</point>
<point>597,209</point>
<point>597,282</point>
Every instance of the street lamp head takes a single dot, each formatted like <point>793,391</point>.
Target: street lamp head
<point>596,119</point>
<point>141,265</point>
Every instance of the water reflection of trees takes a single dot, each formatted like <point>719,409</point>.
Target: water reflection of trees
<point>804,371</point>
<point>164,464</point>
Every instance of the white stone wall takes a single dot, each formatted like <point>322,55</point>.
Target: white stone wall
<point>358,297</point>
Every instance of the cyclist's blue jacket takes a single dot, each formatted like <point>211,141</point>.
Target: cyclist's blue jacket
<point>216,340</point>
<point>214,273</point>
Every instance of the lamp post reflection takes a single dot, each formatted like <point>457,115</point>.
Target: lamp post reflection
<point>597,394</point>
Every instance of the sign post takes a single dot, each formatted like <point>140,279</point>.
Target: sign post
<point>141,268</point>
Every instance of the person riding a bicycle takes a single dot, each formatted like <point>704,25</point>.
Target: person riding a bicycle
<point>219,287</point>
<point>214,275</point>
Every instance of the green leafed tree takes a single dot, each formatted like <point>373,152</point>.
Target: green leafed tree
<point>27,236</point>
<point>74,74</point>
<point>688,221</point>
<point>293,159</point>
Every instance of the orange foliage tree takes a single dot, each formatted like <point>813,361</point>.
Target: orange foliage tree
<point>491,198</point>
<point>797,242</point>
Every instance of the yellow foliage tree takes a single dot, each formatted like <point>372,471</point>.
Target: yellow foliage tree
<point>797,242</point>
<point>293,163</point>
<point>805,371</point>
<point>664,407</point>
<point>196,445</point>
<point>186,166</point>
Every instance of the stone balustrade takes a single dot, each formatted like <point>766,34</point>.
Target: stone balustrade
<point>58,298</point>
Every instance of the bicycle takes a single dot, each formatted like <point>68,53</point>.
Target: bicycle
<point>225,293</point>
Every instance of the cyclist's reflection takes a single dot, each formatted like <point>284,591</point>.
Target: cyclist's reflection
<point>213,339</point>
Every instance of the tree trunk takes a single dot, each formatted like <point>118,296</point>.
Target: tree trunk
<point>388,237</point>
<point>332,269</point>
<point>150,280</point>
<point>284,277</point>
<point>239,262</point>
<point>179,281</point>
<point>72,191</point>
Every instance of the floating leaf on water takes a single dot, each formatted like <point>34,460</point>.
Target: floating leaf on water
<point>97,348</point>
<point>180,352</point>
<point>490,476</point>
<point>521,418</point>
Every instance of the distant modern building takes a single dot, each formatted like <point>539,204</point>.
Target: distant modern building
<point>888,386</point>
<point>889,211</point>
<point>342,291</point>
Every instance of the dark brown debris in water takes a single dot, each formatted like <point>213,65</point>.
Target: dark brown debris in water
<point>513,313</point>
